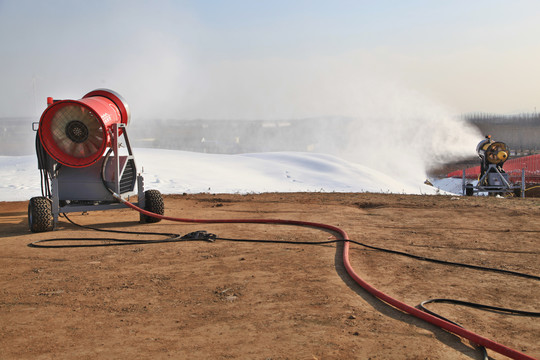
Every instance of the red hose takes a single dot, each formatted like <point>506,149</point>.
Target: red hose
<point>475,338</point>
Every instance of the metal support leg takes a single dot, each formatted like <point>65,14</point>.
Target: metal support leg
<point>523,183</point>
<point>140,193</point>
<point>55,201</point>
<point>463,183</point>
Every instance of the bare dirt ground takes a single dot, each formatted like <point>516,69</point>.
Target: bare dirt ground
<point>227,300</point>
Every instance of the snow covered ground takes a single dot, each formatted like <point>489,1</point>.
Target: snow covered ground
<point>177,172</point>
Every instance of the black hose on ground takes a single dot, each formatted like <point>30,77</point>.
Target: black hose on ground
<point>204,236</point>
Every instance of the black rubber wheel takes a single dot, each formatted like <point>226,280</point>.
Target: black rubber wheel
<point>469,190</point>
<point>517,192</point>
<point>153,202</point>
<point>40,216</point>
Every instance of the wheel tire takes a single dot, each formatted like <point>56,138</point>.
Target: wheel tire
<point>153,202</point>
<point>517,192</point>
<point>40,216</point>
<point>469,190</point>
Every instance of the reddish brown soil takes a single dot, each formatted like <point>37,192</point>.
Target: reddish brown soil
<point>225,300</point>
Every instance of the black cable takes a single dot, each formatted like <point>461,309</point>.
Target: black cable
<point>116,241</point>
<point>41,163</point>
<point>417,257</point>
<point>482,349</point>
<point>119,231</point>
<point>42,166</point>
<point>476,267</point>
<point>212,237</point>
<point>497,309</point>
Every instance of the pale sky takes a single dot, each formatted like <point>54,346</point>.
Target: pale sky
<point>272,59</point>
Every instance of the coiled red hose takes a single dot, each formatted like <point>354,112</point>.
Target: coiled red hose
<point>475,338</point>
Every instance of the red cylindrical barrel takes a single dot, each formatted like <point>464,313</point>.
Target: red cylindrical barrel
<point>76,132</point>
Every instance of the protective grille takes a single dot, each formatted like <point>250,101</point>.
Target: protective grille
<point>76,131</point>
<point>128,177</point>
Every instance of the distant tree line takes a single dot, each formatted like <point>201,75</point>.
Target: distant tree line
<point>521,132</point>
<point>516,119</point>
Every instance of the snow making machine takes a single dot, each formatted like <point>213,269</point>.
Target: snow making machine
<point>78,147</point>
<point>492,179</point>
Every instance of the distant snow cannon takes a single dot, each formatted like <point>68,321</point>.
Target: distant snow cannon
<point>492,152</point>
<point>493,179</point>
<point>78,150</point>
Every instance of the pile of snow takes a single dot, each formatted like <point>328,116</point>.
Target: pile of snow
<point>451,185</point>
<point>177,172</point>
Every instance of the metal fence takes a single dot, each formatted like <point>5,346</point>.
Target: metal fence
<point>513,167</point>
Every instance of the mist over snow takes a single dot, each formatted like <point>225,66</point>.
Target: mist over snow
<point>177,172</point>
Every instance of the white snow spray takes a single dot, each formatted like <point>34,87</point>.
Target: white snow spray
<point>391,128</point>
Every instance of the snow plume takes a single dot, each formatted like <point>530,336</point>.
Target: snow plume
<point>394,129</point>
<point>409,136</point>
